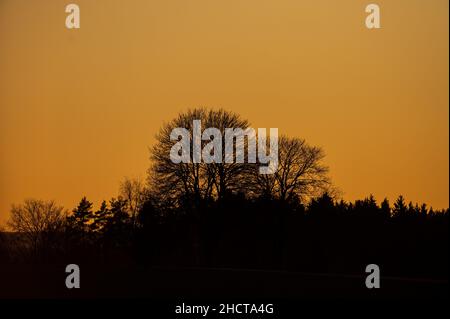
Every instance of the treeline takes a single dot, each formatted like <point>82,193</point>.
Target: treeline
<point>229,215</point>
<point>238,232</point>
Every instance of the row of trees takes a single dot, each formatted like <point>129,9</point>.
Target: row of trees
<point>226,214</point>
<point>236,231</point>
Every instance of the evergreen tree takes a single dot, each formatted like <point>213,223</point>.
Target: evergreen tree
<point>81,216</point>
<point>118,223</point>
<point>385,208</point>
<point>400,208</point>
<point>101,217</point>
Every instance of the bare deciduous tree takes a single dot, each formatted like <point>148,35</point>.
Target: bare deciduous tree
<point>195,181</point>
<point>300,174</point>
<point>173,182</point>
<point>228,177</point>
<point>134,192</point>
<point>37,221</point>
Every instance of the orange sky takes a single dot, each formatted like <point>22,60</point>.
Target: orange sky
<point>79,108</point>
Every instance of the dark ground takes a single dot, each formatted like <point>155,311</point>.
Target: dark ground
<point>107,281</point>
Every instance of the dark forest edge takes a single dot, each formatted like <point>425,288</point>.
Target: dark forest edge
<point>225,216</point>
<point>237,232</point>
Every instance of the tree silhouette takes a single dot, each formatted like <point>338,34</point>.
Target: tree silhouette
<point>175,183</point>
<point>385,208</point>
<point>100,218</point>
<point>400,208</point>
<point>39,221</point>
<point>193,183</point>
<point>229,177</point>
<point>135,193</point>
<point>300,174</point>
<point>118,224</point>
<point>81,217</point>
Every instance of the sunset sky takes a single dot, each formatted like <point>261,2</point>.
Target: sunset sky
<point>79,108</point>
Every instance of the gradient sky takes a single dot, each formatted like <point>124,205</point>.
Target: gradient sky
<point>79,108</point>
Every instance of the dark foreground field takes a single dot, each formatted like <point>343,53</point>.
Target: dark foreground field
<point>107,281</point>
